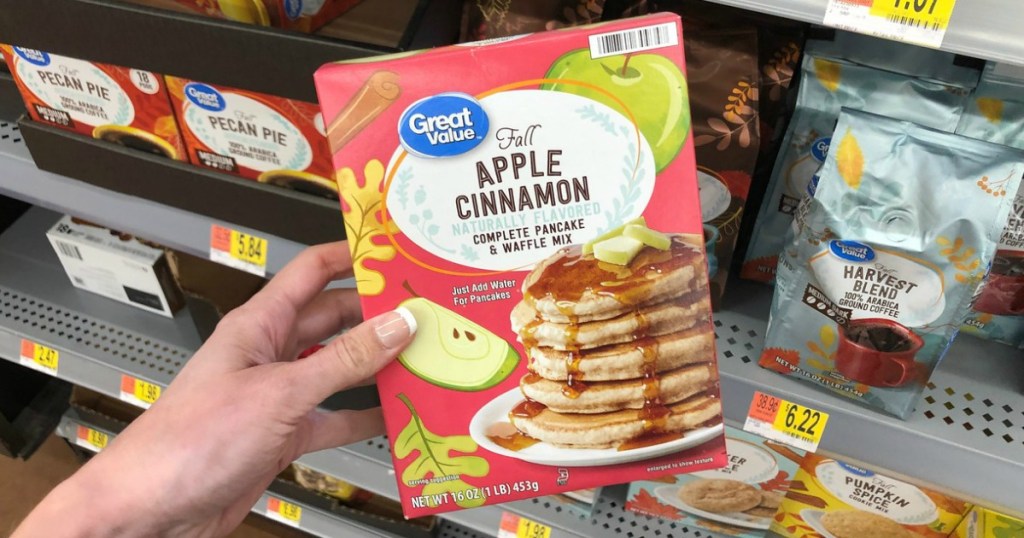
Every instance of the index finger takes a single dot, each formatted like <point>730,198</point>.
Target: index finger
<point>306,276</point>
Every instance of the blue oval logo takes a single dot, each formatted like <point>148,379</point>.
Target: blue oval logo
<point>819,148</point>
<point>851,251</point>
<point>855,470</point>
<point>205,96</point>
<point>443,125</point>
<point>293,9</point>
<point>33,56</point>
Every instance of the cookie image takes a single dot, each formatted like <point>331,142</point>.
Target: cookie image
<point>858,524</point>
<point>720,495</point>
<point>621,354</point>
<point>761,511</point>
<point>771,499</point>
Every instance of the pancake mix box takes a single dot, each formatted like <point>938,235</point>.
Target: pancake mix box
<point>533,203</point>
<point>740,499</point>
<point>115,104</point>
<point>832,499</point>
<point>263,137</point>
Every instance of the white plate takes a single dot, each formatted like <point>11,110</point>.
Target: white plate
<point>715,197</point>
<point>812,517</point>
<point>669,494</point>
<point>544,454</point>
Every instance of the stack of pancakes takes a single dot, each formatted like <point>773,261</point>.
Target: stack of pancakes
<point>617,354</point>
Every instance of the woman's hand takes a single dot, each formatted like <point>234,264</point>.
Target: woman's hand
<point>237,414</point>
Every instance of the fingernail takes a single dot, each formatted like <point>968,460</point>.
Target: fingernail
<point>394,328</point>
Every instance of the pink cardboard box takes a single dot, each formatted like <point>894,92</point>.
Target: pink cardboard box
<point>533,203</point>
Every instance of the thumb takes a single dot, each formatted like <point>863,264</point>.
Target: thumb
<point>353,356</point>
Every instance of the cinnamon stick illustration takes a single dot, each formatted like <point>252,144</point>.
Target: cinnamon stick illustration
<point>376,95</point>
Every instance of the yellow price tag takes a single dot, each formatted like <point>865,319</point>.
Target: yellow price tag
<point>531,529</point>
<point>139,392</point>
<point>146,392</point>
<point>800,422</point>
<point>249,248</point>
<point>39,356</point>
<point>284,511</point>
<point>930,14</point>
<point>92,439</point>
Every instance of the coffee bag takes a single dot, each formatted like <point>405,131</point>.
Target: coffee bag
<point>884,260</point>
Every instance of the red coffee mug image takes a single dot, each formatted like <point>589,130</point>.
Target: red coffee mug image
<point>877,352</point>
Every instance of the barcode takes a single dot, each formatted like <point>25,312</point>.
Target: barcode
<point>634,40</point>
<point>913,23</point>
<point>71,251</point>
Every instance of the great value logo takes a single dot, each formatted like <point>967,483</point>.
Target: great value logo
<point>851,251</point>
<point>819,148</point>
<point>205,97</point>
<point>33,56</point>
<point>443,125</point>
<point>293,8</point>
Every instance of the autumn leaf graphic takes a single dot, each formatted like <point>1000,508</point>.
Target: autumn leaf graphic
<point>434,460</point>
<point>739,119</point>
<point>991,108</point>
<point>829,73</point>
<point>361,203</point>
<point>850,159</point>
<point>645,503</point>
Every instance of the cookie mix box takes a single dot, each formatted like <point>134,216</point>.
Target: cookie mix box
<point>116,104</point>
<point>263,137</point>
<point>987,523</point>
<point>533,203</point>
<point>739,499</point>
<point>833,499</point>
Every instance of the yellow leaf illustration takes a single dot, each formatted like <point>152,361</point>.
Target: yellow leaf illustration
<point>850,160</point>
<point>829,73</point>
<point>828,336</point>
<point>361,205</point>
<point>961,278</point>
<point>817,364</point>
<point>942,240</point>
<point>816,350</point>
<point>991,108</point>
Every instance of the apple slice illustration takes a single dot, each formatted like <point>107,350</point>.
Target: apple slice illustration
<point>451,351</point>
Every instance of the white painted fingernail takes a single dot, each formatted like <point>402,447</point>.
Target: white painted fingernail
<point>395,328</point>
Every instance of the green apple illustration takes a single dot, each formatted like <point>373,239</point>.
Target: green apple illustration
<point>651,86</point>
<point>451,351</point>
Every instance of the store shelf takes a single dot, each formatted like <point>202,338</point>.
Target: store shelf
<point>966,437</point>
<point>988,29</point>
<point>266,60</point>
<point>317,518</point>
<point>11,105</point>
<point>176,228</point>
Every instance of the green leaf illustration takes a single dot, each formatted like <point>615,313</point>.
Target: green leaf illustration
<point>435,461</point>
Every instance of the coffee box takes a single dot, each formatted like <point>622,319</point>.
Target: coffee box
<point>831,498</point>
<point>116,104</point>
<point>987,523</point>
<point>740,499</point>
<point>532,202</point>
<point>267,138</point>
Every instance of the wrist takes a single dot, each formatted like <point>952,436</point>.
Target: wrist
<point>86,505</point>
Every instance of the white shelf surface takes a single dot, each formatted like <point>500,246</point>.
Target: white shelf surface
<point>170,226</point>
<point>966,436</point>
<point>988,29</point>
